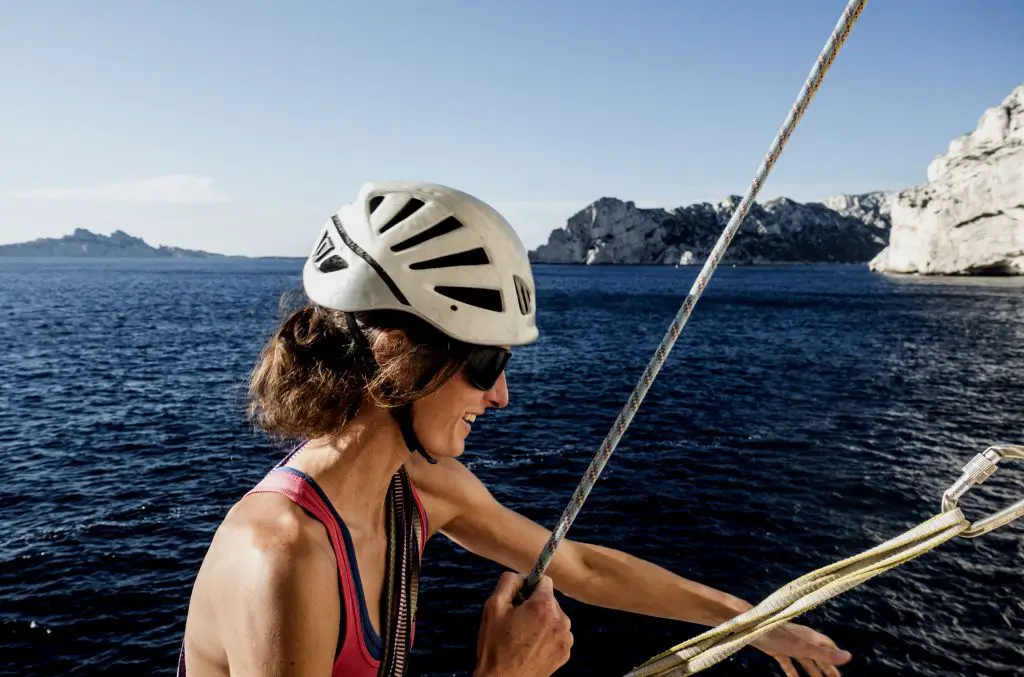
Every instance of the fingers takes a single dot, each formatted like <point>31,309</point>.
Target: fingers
<point>508,585</point>
<point>810,667</point>
<point>813,667</point>
<point>543,600</point>
<point>787,666</point>
<point>821,648</point>
<point>545,588</point>
<point>831,655</point>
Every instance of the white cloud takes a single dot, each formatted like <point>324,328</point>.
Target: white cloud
<point>169,189</point>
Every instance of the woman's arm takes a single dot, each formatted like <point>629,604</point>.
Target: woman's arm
<point>462,508</point>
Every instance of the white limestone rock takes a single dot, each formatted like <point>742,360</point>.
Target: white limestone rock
<point>872,209</point>
<point>847,229</point>
<point>969,216</point>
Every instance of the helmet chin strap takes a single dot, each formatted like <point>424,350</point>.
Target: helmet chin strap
<point>402,414</point>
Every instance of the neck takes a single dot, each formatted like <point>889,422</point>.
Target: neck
<point>355,468</point>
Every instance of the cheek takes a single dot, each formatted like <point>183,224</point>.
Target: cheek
<point>457,396</point>
<point>439,425</point>
<point>444,408</point>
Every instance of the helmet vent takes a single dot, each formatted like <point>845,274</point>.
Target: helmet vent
<point>472,257</point>
<point>443,228</point>
<point>325,261</point>
<point>410,208</point>
<point>332,264</point>
<point>375,202</point>
<point>361,253</point>
<point>523,294</point>
<point>488,299</point>
<point>323,248</point>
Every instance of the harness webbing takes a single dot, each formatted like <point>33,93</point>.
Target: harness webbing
<point>801,596</point>
<point>811,85</point>
<point>819,586</point>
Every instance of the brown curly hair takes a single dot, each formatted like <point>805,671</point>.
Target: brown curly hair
<point>314,374</point>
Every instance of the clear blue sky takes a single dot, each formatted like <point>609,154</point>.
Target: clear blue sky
<point>240,126</point>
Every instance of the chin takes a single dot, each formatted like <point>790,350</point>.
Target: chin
<point>451,450</point>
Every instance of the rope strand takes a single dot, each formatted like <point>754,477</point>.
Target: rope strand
<point>811,85</point>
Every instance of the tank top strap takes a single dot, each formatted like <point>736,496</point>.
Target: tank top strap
<point>294,485</point>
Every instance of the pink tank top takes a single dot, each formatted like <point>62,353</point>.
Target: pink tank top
<point>359,645</point>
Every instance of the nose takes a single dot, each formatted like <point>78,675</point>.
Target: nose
<point>498,395</point>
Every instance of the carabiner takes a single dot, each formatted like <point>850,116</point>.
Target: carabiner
<point>977,470</point>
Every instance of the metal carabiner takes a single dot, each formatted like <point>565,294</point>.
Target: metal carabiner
<point>977,470</point>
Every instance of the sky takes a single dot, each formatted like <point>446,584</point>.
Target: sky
<point>240,127</point>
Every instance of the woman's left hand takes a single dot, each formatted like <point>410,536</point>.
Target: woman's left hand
<point>818,654</point>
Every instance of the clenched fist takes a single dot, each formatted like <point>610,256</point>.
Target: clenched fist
<point>531,640</point>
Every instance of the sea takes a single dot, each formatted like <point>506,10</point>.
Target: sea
<point>806,413</point>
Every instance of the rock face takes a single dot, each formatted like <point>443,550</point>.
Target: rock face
<point>969,217</point>
<point>843,229</point>
<point>84,243</point>
<point>872,209</point>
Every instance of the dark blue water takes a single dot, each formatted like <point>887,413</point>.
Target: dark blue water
<point>806,414</point>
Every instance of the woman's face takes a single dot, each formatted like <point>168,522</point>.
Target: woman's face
<point>443,419</point>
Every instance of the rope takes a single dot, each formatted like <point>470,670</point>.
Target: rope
<point>800,596</point>
<point>817,587</point>
<point>835,41</point>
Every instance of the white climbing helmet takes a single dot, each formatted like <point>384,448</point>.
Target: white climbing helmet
<point>430,250</point>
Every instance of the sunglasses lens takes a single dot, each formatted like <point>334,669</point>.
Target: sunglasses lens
<point>485,365</point>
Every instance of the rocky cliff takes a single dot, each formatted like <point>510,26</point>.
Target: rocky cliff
<point>843,229</point>
<point>84,243</point>
<point>969,216</point>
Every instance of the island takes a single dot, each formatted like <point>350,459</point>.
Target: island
<point>843,229</point>
<point>84,243</point>
<point>967,219</point>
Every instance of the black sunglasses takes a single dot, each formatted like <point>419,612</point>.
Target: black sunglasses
<point>484,365</point>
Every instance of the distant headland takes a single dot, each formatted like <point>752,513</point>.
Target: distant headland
<point>967,219</point>
<point>86,244</point>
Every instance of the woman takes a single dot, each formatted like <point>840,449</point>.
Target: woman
<point>417,294</point>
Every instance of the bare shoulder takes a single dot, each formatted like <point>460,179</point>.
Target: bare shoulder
<point>446,489</point>
<point>271,534</point>
<point>259,601</point>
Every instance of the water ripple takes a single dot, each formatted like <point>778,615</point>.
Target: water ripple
<point>806,414</point>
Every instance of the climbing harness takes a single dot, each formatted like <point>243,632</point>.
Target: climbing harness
<point>812,589</point>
